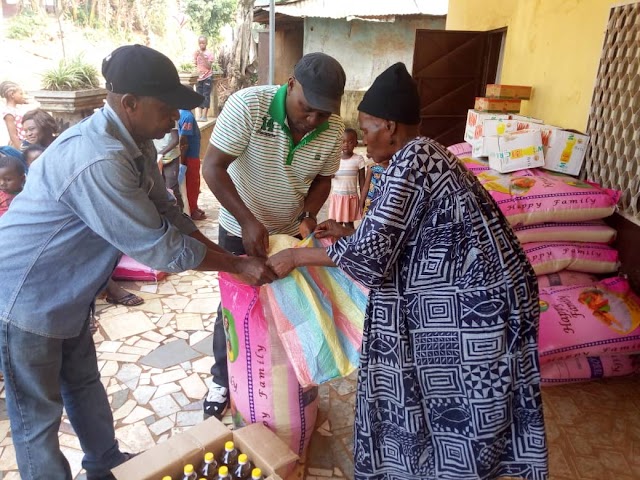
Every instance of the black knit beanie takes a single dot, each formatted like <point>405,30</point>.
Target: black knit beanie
<point>393,96</point>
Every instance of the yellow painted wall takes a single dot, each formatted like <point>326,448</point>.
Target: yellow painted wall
<point>552,45</point>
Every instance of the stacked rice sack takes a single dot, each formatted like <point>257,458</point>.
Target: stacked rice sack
<point>588,328</point>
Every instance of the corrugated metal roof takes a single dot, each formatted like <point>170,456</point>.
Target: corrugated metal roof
<point>356,8</point>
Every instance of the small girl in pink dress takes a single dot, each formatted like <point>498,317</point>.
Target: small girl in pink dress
<point>344,202</point>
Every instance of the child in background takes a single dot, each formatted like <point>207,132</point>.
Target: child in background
<point>371,182</point>
<point>14,96</point>
<point>12,177</point>
<point>189,130</point>
<point>204,59</point>
<point>344,202</point>
<point>31,153</point>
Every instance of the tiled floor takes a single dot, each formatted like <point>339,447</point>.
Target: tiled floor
<point>155,359</point>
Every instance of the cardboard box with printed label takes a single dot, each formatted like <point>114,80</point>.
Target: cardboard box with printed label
<point>474,128</point>
<point>504,105</point>
<point>491,128</point>
<point>526,123</point>
<point>508,91</point>
<point>515,151</point>
<point>565,151</point>
<point>264,449</point>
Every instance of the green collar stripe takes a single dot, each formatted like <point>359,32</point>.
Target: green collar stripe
<point>277,111</point>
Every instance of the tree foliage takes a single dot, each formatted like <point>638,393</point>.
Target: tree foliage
<point>208,16</point>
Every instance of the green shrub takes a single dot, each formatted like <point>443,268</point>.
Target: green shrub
<point>25,25</point>
<point>74,74</point>
<point>187,67</point>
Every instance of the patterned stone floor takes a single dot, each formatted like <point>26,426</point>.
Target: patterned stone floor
<point>155,359</point>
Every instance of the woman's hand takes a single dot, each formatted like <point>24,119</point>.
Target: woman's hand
<point>283,262</point>
<point>332,229</point>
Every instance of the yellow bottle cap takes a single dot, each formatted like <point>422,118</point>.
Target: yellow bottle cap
<point>256,473</point>
<point>229,446</point>
<point>223,471</point>
<point>208,457</point>
<point>166,477</point>
<point>188,469</point>
<point>242,458</point>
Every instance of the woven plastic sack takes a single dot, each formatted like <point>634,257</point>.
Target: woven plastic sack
<point>131,270</point>
<point>319,314</point>
<point>535,196</point>
<point>582,369</point>
<point>262,383</point>
<point>595,231</point>
<point>566,278</point>
<point>551,257</point>
<point>589,320</point>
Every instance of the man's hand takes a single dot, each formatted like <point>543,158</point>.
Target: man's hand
<point>283,262</point>
<point>254,271</point>
<point>307,226</point>
<point>332,229</point>
<point>255,238</point>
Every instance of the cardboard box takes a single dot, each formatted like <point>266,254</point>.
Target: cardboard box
<point>508,91</point>
<point>474,128</point>
<point>264,448</point>
<point>504,105</point>
<point>515,151</point>
<point>491,128</point>
<point>565,151</point>
<point>526,123</point>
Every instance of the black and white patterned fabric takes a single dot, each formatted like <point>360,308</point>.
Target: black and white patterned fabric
<point>449,384</point>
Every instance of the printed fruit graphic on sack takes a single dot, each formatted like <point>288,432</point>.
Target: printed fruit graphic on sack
<point>611,309</point>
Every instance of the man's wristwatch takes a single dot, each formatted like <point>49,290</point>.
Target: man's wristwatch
<point>304,215</point>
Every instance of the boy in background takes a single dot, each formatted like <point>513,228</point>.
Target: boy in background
<point>203,59</point>
<point>190,132</point>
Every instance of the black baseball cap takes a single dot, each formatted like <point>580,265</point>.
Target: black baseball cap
<point>322,79</point>
<point>143,71</point>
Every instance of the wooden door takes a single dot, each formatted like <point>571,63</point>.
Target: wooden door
<point>451,69</point>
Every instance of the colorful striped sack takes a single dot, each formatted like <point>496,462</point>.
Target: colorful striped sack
<point>319,316</point>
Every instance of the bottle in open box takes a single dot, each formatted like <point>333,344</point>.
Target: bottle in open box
<point>209,468</point>
<point>189,473</point>
<point>223,473</point>
<point>243,469</point>
<point>256,474</point>
<point>230,456</point>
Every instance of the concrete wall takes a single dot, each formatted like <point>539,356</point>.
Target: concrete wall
<point>551,45</point>
<point>363,48</point>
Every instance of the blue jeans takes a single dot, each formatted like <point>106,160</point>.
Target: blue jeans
<point>42,375</point>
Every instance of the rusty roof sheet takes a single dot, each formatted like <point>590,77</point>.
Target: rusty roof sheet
<point>356,8</point>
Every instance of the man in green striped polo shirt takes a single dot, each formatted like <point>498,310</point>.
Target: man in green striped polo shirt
<point>272,154</point>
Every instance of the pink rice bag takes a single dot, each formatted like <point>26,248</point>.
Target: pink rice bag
<point>131,270</point>
<point>589,320</point>
<point>582,369</point>
<point>566,277</point>
<point>527,197</point>
<point>262,383</point>
<point>550,257</point>
<point>460,149</point>
<point>594,231</point>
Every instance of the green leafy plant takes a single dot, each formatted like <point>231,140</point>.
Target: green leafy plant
<point>25,25</point>
<point>208,16</point>
<point>187,67</point>
<point>74,74</point>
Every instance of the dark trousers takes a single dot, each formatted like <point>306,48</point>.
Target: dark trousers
<point>171,173</point>
<point>219,370</point>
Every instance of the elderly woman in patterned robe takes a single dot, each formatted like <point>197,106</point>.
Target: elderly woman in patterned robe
<point>449,384</point>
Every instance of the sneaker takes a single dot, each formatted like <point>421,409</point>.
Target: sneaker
<point>216,402</point>
<point>110,476</point>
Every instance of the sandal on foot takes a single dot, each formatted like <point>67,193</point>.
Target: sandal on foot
<point>129,300</point>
